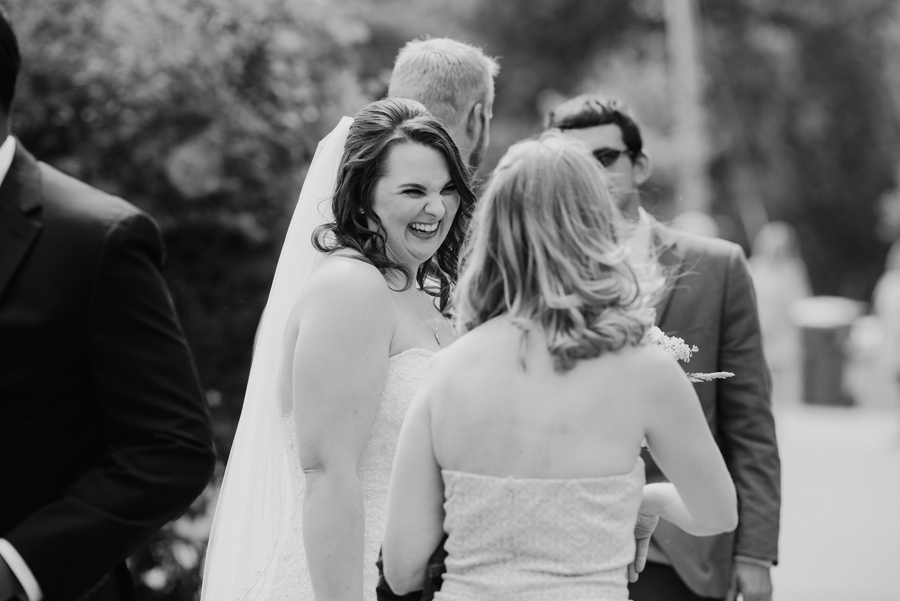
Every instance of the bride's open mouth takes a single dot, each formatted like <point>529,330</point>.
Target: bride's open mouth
<point>424,230</point>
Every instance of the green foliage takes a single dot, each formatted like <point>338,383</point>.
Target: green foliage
<point>170,565</point>
<point>544,45</point>
<point>803,122</point>
<point>547,43</point>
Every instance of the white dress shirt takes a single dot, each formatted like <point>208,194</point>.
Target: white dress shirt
<point>7,152</point>
<point>638,236</point>
<point>7,551</point>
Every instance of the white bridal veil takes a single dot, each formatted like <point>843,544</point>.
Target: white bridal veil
<point>254,508</point>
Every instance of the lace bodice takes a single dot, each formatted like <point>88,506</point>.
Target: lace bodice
<point>539,539</point>
<point>405,371</point>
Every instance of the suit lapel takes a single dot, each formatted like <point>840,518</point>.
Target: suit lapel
<point>20,212</point>
<point>672,261</point>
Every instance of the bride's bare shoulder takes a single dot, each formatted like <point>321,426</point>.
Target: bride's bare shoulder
<point>343,284</point>
<point>346,273</point>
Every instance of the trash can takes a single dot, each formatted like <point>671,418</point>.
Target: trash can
<point>824,323</point>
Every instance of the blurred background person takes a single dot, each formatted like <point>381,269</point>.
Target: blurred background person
<point>886,307</point>
<point>524,439</point>
<point>780,279</point>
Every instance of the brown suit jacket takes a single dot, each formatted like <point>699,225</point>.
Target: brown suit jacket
<point>711,304</point>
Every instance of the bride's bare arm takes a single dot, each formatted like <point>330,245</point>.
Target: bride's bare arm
<point>701,498</point>
<point>339,366</point>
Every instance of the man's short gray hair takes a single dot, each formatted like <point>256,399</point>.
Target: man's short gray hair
<point>446,76</point>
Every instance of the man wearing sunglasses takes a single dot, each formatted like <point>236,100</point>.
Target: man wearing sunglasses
<point>701,290</point>
<point>614,138</point>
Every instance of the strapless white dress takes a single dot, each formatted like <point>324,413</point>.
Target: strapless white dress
<point>405,372</point>
<point>528,539</point>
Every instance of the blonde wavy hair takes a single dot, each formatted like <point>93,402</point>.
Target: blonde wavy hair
<point>543,248</point>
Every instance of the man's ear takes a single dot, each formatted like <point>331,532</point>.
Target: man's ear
<point>641,167</point>
<point>475,120</point>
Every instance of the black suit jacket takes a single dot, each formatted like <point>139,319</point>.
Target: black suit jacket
<point>104,431</point>
<point>711,304</point>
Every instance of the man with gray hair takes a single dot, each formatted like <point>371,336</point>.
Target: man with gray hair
<point>455,81</point>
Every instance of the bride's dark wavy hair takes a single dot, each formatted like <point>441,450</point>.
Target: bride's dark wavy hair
<point>544,249</point>
<point>376,128</point>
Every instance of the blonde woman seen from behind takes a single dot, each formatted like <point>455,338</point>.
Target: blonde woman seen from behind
<point>523,441</point>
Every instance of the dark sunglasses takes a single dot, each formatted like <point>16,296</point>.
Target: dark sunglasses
<point>608,156</point>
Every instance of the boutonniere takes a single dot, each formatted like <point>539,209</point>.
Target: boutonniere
<point>682,351</point>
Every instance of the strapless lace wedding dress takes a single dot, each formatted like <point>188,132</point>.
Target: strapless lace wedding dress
<point>529,539</point>
<point>405,372</point>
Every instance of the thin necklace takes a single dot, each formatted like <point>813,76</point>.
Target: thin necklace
<point>437,337</point>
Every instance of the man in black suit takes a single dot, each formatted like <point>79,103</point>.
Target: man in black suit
<point>104,432</point>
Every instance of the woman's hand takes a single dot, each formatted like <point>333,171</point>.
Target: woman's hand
<point>646,524</point>
<point>700,497</point>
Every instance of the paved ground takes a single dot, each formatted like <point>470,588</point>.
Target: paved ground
<point>840,537</point>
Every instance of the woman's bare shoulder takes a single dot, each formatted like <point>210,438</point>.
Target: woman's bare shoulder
<point>345,288</point>
<point>346,274</point>
<point>652,369</point>
<point>487,352</point>
<point>473,346</point>
<point>645,359</point>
